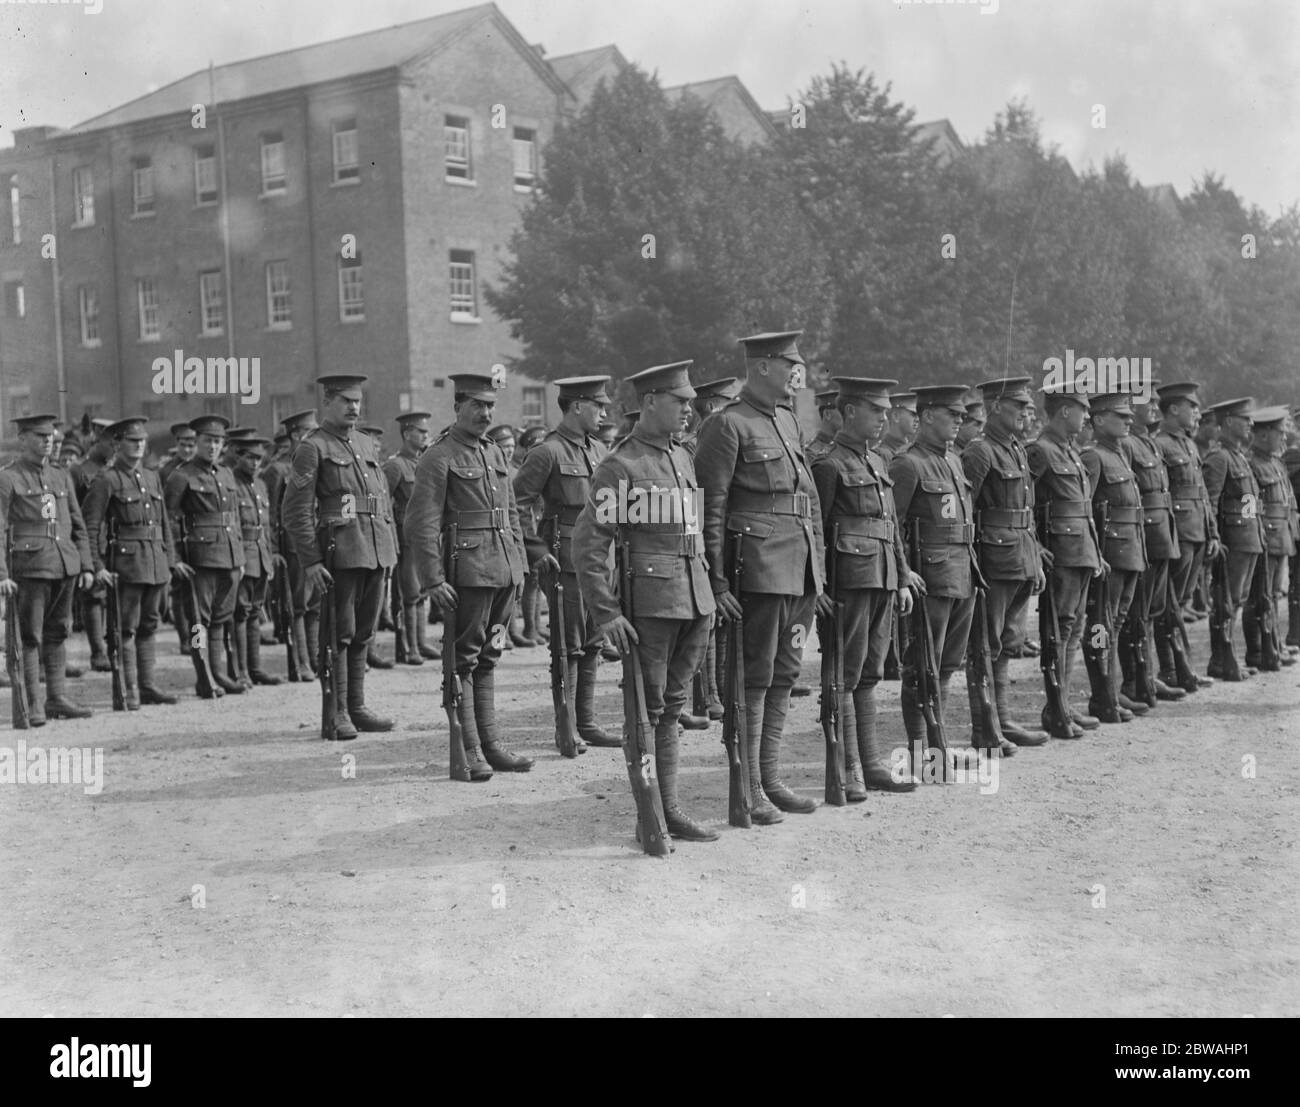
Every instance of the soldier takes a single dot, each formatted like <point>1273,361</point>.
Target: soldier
<point>1291,460</point>
<point>98,454</point>
<point>262,561</point>
<point>830,420</point>
<point>1116,498</point>
<point>758,491</point>
<point>132,548</point>
<point>1068,533</point>
<point>70,454</point>
<point>1010,558</point>
<point>872,577</point>
<point>399,471</point>
<point>336,507</point>
<point>901,428</point>
<point>305,601</point>
<point>973,422</point>
<point>45,557</point>
<point>374,658</point>
<point>554,483</point>
<point>672,605</point>
<point>203,502</point>
<point>530,602</point>
<point>1276,509</point>
<point>628,421</point>
<point>463,481</point>
<point>1234,498</point>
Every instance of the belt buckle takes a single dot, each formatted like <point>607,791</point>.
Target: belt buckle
<point>498,515</point>
<point>803,504</point>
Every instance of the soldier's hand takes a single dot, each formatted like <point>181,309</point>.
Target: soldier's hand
<point>916,582</point>
<point>1040,582</point>
<point>823,605</point>
<point>86,580</point>
<point>547,566</point>
<point>1049,559</point>
<point>620,634</point>
<point>182,570</point>
<point>444,596</point>
<point>316,578</point>
<point>8,588</point>
<point>1211,549</point>
<point>728,606</point>
<point>1102,570</point>
<point>905,601</point>
<point>105,577</point>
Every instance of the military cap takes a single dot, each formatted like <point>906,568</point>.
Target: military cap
<point>673,378</point>
<point>281,439</point>
<point>773,344</point>
<point>904,400</point>
<point>856,389</point>
<point>723,388</point>
<point>827,398</point>
<point>210,424</point>
<point>182,430</point>
<point>1118,402</point>
<point>252,442</point>
<point>474,386</point>
<point>101,425</point>
<point>300,420</point>
<point>974,407</point>
<point>373,431</point>
<point>632,417</point>
<point>1182,390</point>
<point>37,424</point>
<point>1226,408</point>
<point>940,395</point>
<point>1006,388</point>
<point>501,432</point>
<point>532,435</point>
<point>1054,399</point>
<point>131,428</point>
<point>241,432</point>
<point>1269,418</point>
<point>408,417</point>
<point>335,383</point>
<point>70,446</point>
<point>584,388</point>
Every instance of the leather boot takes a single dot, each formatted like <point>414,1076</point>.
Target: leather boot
<point>54,656</point>
<point>362,717</point>
<point>871,746</point>
<point>205,686</point>
<point>375,659</point>
<point>485,711</point>
<point>1251,629</point>
<point>307,660</point>
<point>146,658</point>
<point>1184,676</point>
<point>130,674</point>
<point>1165,666</point>
<point>253,656</point>
<point>411,650</point>
<point>1002,699</point>
<point>479,770</point>
<point>344,728</point>
<point>584,703</point>
<point>428,652</point>
<point>1078,721</point>
<point>855,785</point>
<point>571,688</point>
<point>1102,703</point>
<point>94,618</point>
<point>241,637</point>
<point>680,824</point>
<point>219,649</point>
<point>761,811</point>
<point>32,679</point>
<point>775,707</point>
<point>914,728</point>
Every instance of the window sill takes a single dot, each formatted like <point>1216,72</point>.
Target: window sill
<point>82,226</point>
<point>277,328</point>
<point>91,344</point>
<point>143,215</point>
<point>526,189</point>
<point>352,319</point>
<point>461,182</point>
<point>455,318</point>
<point>200,204</point>
<point>212,334</point>
<point>272,193</point>
<point>145,339</point>
<point>346,182</point>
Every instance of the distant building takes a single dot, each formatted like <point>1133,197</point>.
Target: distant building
<point>947,146</point>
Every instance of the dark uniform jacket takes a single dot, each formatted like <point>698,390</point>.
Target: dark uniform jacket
<point>1063,489</point>
<point>1002,488</point>
<point>669,573</point>
<point>1276,503</point>
<point>399,471</point>
<point>819,446</point>
<point>553,485</point>
<point>891,445</point>
<point>275,476</point>
<point>44,534</point>
<point>255,526</point>
<point>757,484</point>
<point>337,485</point>
<point>1193,518</point>
<point>1114,485</point>
<point>857,495</point>
<point>1234,498</point>
<point>84,474</point>
<point>203,502</point>
<point>463,480</point>
<point>1148,465</point>
<point>124,510</point>
<point>933,496</point>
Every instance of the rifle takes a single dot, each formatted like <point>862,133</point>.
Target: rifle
<point>1097,634</point>
<point>638,737</point>
<point>284,609</point>
<point>329,692</point>
<point>1134,636</point>
<point>566,724</point>
<point>978,670</point>
<point>921,674</point>
<point>1221,620</point>
<point>1262,601</point>
<point>831,634</point>
<point>22,713</point>
<point>452,691</point>
<point>397,612</point>
<point>733,719</point>
<point>1056,712</point>
<point>114,636</point>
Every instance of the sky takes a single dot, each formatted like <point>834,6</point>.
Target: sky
<point>1187,85</point>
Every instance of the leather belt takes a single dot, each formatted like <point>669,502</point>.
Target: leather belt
<point>491,519</point>
<point>865,526</point>
<point>34,530</point>
<point>1125,515</point>
<point>771,503</point>
<point>664,542</point>
<point>331,507</point>
<point>1017,518</point>
<point>947,534</point>
<point>140,532</point>
<point>1186,492</point>
<point>1070,509</point>
<point>1276,511</point>
<point>213,519</point>
<point>1152,500</point>
<point>254,532</point>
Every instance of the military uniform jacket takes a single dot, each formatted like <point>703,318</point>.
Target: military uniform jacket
<point>819,446</point>
<point>1114,485</point>
<point>553,485</point>
<point>337,485</point>
<point>1002,489</point>
<point>891,445</point>
<point>127,524</point>
<point>1234,498</point>
<point>45,536</point>
<point>933,495</point>
<point>167,468</point>
<point>463,480</point>
<point>255,526</point>
<point>644,492</point>
<point>1062,488</point>
<point>1193,518</point>
<point>1148,465</point>
<point>84,474</point>
<point>857,497</point>
<point>1276,503</point>
<point>275,476</point>
<point>758,485</point>
<point>203,501</point>
<point>399,471</point>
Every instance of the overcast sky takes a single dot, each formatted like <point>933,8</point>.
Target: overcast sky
<point>1187,85</point>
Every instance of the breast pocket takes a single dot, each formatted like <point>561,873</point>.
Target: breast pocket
<point>862,490</point>
<point>763,458</point>
<point>574,482</point>
<point>946,503</point>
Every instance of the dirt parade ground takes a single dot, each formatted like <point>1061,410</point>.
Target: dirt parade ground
<point>234,864</point>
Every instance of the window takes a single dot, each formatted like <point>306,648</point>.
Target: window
<point>88,298</point>
<point>279,310</point>
<point>455,139</point>
<point>346,167</point>
<point>273,174</point>
<point>205,175</point>
<point>525,153</point>
<point>464,296</point>
<point>212,302</point>
<point>15,219</point>
<point>352,296</point>
<point>532,408</point>
<point>83,197</point>
<point>146,297</point>
<point>141,186</point>
<point>15,300</point>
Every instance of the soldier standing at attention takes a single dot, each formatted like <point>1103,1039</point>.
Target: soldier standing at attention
<point>1276,507</point>
<point>531,600</point>
<point>972,423</point>
<point>901,428</point>
<point>131,540</point>
<point>1002,488</point>
<point>262,561</point>
<point>857,504</point>
<point>672,604</point>
<point>304,601</point>
<point>45,557</point>
<point>759,492</point>
<point>554,485</point>
<point>831,421</point>
<point>399,471</point>
<point>337,499</point>
<point>463,481</point>
<point>98,454</point>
